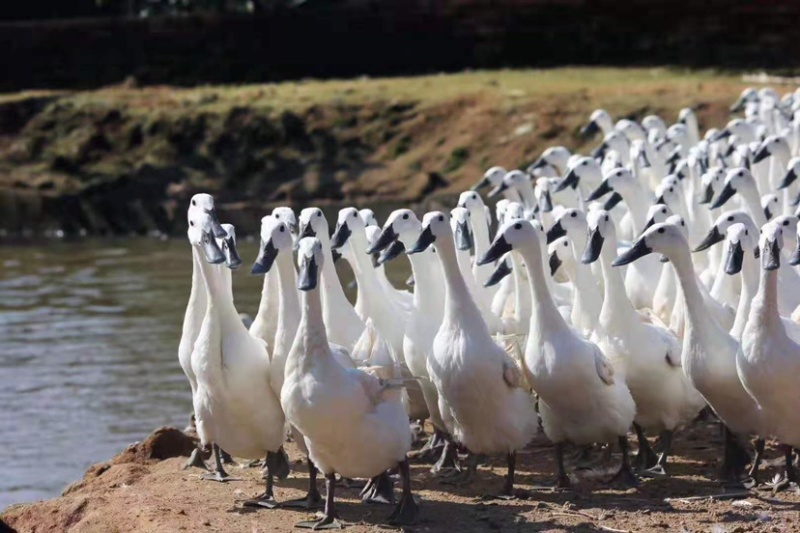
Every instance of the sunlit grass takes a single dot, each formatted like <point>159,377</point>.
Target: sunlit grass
<point>605,84</point>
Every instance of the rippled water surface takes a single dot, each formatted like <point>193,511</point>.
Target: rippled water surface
<point>89,333</point>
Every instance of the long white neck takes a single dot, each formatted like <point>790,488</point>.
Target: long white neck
<point>265,322</point>
<point>522,292</point>
<point>752,201</point>
<point>637,202</point>
<point>311,341</point>
<point>700,327</point>
<point>527,195</point>
<point>617,315</point>
<point>289,314</point>
<point>545,316</point>
<point>428,282</point>
<point>586,296</point>
<point>198,300</point>
<point>764,315</point>
<point>459,306</point>
<point>749,288</point>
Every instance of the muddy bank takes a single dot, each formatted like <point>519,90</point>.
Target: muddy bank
<point>145,489</point>
<point>124,160</point>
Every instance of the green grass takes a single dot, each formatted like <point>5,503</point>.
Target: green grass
<point>507,86</point>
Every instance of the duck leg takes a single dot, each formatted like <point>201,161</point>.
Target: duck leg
<point>508,486</point>
<point>432,448</point>
<point>379,489</point>
<point>735,459</point>
<point>660,467</point>
<point>407,509</point>
<point>219,472</point>
<point>266,500</point>
<point>226,457</point>
<point>278,464</point>
<point>752,474</point>
<point>196,459</point>
<point>624,476</point>
<point>312,499</point>
<point>562,481</point>
<point>645,457</point>
<point>789,479</point>
<point>448,460</point>
<point>328,520</point>
<point>465,476</point>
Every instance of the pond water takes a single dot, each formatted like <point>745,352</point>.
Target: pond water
<point>89,333</point>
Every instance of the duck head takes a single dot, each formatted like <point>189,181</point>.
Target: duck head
<point>401,227</point>
<point>736,180</point>
<point>511,235</point>
<point>792,171</point>
<point>585,169</point>
<point>654,123</point>
<point>618,181</point>
<point>491,178</point>
<point>740,238</point>
<point>656,214</point>
<point>309,262</point>
<point>228,246</point>
<point>287,216</point>
<point>774,145</point>
<point>368,216</point>
<point>555,156</point>
<point>599,120</point>
<point>663,238</point>
<point>312,223</point>
<point>201,236</point>
<point>720,226</point>
<point>460,224</point>
<point>559,253</point>
<point>205,203</point>
<point>435,225</point>
<point>601,227</point>
<point>275,238</point>
<point>512,180</point>
<point>570,220</point>
<point>770,244</point>
<point>748,95</point>
<point>668,191</point>
<point>711,182</point>
<point>770,205</point>
<point>349,223</point>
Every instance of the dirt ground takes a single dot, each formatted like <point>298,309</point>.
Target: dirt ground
<point>137,491</point>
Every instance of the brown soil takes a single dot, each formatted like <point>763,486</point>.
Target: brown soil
<point>140,490</point>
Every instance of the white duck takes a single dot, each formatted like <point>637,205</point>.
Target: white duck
<point>648,356</point>
<point>343,323</point>
<point>557,359</point>
<point>709,352</point>
<point>235,405</point>
<point>353,423</point>
<point>480,395</point>
<point>769,359</point>
<point>198,301</point>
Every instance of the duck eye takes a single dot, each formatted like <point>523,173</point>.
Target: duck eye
<point>661,230</point>
<point>664,211</point>
<point>191,222</point>
<point>353,214</point>
<point>730,219</point>
<point>670,189</point>
<point>194,202</point>
<point>683,223</point>
<point>405,217</point>
<point>276,215</point>
<point>283,228</point>
<point>474,196</point>
<point>574,214</point>
<point>319,213</point>
<point>606,218</point>
<point>518,226</point>
<point>441,218</point>
<point>785,222</point>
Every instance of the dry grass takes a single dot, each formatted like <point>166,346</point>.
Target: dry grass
<point>613,86</point>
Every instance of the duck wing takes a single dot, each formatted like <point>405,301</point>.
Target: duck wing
<point>604,369</point>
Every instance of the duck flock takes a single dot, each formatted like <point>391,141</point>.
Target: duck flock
<point>623,292</point>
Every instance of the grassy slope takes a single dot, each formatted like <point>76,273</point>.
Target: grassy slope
<point>359,140</point>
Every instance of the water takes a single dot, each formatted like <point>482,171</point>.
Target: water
<point>89,333</point>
